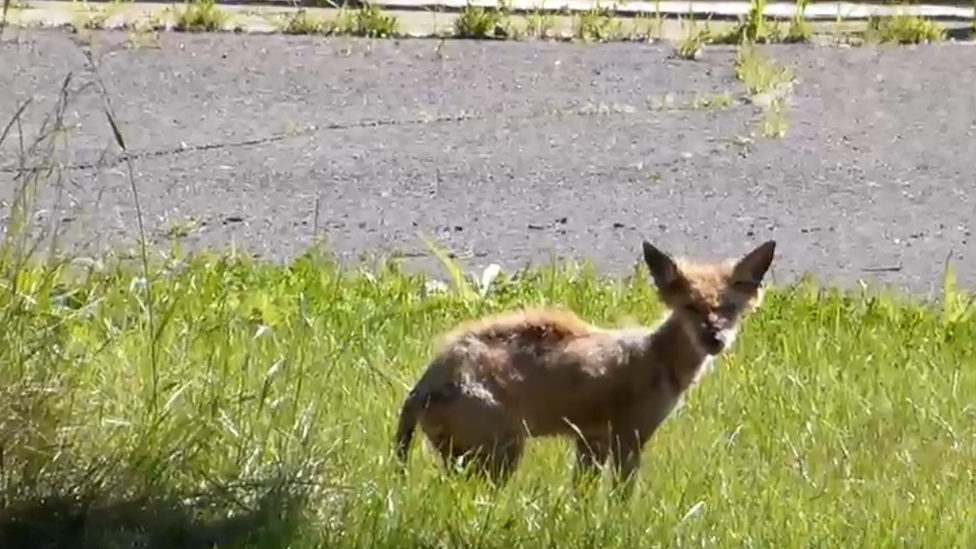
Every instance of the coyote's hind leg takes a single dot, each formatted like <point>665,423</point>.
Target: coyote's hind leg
<point>495,461</point>
<point>478,434</point>
<point>591,454</point>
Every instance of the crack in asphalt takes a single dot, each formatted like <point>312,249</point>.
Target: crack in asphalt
<point>590,109</point>
<point>118,159</point>
<point>523,151</point>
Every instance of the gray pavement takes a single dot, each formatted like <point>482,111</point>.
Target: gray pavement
<point>512,152</point>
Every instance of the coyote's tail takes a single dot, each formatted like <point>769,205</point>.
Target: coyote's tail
<point>416,402</point>
<point>409,415</point>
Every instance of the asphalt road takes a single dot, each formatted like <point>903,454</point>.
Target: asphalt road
<point>513,152</point>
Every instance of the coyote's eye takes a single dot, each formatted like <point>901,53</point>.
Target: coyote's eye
<point>745,286</point>
<point>691,308</point>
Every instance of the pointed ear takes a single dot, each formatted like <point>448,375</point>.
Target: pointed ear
<point>662,267</point>
<point>751,269</point>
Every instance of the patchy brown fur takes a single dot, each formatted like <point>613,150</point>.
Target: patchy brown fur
<point>500,380</point>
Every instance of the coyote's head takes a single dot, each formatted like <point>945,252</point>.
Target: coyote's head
<point>710,299</point>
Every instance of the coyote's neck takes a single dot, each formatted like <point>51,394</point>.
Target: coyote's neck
<point>671,348</point>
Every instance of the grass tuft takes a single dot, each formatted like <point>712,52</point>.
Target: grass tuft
<point>539,24</point>
<point>300,22</point>
<point>799,29</point>
<point>369,20</point>
<point>768,85</point>
<point>200,16</point>
<point>904,29</point>
<point>751,29</point>
<point>478,22</point>
<point>692,46</point>
<point>760,74</point>
<point>597,24</point>
<point>88,17</point>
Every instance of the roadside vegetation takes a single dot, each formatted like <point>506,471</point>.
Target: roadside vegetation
<point>602,23</point>
<point>200,16</point>
<point>478,22</point>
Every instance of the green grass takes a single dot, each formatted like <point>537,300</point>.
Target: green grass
<point>538,24</point>
<point>598,24</point>
<point>904,29</point>
<point>478,22</point>
<point>838,418</point>
<point>768,85</point>
<point>799,28</point>
<point>369,20</point>
<point>300,22</point>
<point>200,16</point>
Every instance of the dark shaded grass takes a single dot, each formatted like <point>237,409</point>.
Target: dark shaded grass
<point>61,490</point>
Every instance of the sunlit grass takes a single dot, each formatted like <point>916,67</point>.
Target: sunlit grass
<point>837,417</point>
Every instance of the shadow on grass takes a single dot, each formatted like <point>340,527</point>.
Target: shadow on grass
<point>59,489</point>
<point>101,521</point>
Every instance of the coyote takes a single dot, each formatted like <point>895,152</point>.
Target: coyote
<point>545,372</point>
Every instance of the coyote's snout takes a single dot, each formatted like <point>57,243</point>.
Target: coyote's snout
<point>543,372</point>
